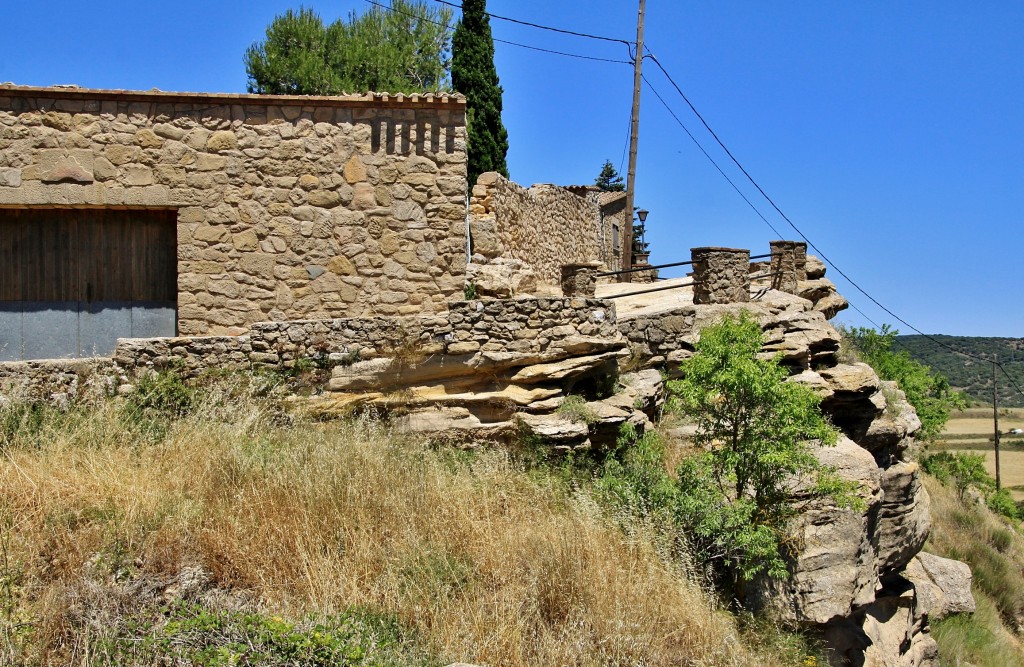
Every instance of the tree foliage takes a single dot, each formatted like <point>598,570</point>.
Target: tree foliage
<point>474,75</point>
<point>609,180</point>
<point>928,392</point>
<point>964,471</point>
<point>971,376</point>
<point>755,429</point>
<point>733,502</point>
<point>402,50</point>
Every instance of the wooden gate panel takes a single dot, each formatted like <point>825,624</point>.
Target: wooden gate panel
<point>72,281</point>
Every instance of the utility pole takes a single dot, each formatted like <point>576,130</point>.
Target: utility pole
<point>995,415</point>
<point>634,138</point>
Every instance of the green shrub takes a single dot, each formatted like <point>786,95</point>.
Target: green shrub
<point>1001,502</point>
<point>163,392</point>
<point>574,408</point>
<point>964,471</point>
<point>194,634</point>
<point>732,501</point>
<point>927,391</point>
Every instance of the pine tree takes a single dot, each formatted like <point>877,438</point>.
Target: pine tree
<point>474,75</point>
<point>609,180</point>
<point>404,49</point>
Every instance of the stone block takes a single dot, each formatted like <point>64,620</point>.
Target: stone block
<point>222,140</point>
<point>720,275</point>
<point>10,178</point>
<point>146,138</point>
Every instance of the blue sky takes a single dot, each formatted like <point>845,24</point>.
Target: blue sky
<point>890,133</point>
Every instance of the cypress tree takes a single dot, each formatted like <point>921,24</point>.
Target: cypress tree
<point>474,75</point>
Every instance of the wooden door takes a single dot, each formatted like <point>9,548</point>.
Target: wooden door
<point>72,281</point>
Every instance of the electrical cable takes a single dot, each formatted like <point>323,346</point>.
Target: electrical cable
<point>562,53</point>
<point>542,27</point>
<point>708,155</point>
<point>793,225</point>
<point>502,41</point>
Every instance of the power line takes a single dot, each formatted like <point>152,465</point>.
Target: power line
<point>542,27</point>
<point>561,53</point>
<point>793,225</point>
<point>708,156</point>
<point>503,41</point>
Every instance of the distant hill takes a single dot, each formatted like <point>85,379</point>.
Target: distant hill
<point>972,377</point>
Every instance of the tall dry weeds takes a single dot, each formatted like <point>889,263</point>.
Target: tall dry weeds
<point>486,563</point>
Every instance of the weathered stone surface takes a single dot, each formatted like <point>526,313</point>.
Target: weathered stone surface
<point>720,275</point>
<point>579,279</point>
<point>555,427</point>
<point>943,585</point>
<point>10,178</point>
<point>545,226</point>
<point>277,192</point>
<point>904,519</point>
<point>501,279</point>
<point>889,632</point>
<point>834,571</point>
<point>815,268</point>
<point>854,380</point>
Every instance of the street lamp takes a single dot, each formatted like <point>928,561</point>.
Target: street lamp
<point>640,245</point>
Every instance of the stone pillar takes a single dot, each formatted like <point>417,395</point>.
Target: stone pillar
<point>788,265</point>
<point>720,275</point>
<point>579,279</point>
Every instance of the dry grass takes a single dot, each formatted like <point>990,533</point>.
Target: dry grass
<point>967,531</point>
<point>486,563</point>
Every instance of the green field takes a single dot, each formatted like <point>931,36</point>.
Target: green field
<point>972,431</point>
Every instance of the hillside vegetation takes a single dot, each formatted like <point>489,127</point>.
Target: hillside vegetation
<point>972,377</point>
<point>175,526</point>
<point>966,530</point>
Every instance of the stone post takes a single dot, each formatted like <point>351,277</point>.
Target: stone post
<point>720,275</point>
<point>579,279</point>
<point>788,265</point>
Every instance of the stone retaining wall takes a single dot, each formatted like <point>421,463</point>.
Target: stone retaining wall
<point>544,226</point>
<point>287,207</point>
<point>493,328</point>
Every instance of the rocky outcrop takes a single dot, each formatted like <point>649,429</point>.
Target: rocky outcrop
<point>943,585</point>
<point>833,568</point>
<point>854,578</point>
<point>891,631</point>
<point>507,369</point>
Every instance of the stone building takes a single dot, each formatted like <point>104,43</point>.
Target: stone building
<point>127,214</point>
<point>140,214</point>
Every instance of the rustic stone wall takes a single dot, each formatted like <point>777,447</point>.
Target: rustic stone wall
<point>56,381</point>
<point>544,226</point>
<point>720,275</point>
<point>613,216</point>
<point>493,328</point>
<point>287,207</point>
<point>788,265</point>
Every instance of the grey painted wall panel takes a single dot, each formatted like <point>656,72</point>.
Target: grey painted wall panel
<point>10,331</point>
<point>153,319</point>
<point>99,326</point>
<point>50,330</point>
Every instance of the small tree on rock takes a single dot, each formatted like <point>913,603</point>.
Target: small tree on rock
<point>755,430</point>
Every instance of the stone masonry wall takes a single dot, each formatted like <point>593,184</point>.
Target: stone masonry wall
<point>493,328</point>
<point>613,214</point>
<point>544,226</point>
<point>287,207</point>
